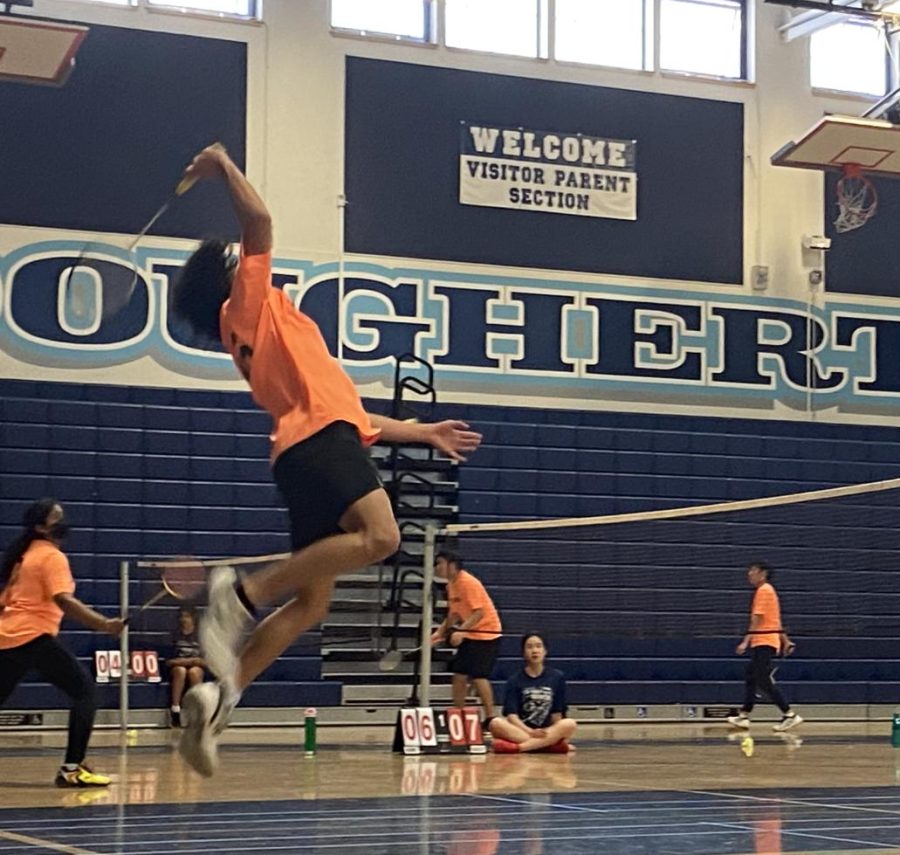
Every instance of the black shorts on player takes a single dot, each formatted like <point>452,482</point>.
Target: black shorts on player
<point>320,478</point>
<point>476,659</point>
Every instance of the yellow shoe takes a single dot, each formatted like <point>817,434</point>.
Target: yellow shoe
<point>83,776</point>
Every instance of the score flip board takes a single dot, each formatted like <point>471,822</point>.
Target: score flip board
<point>143,668</point>
<point>424,730</point>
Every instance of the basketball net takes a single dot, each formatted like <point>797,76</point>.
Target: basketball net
<point>857,199</point>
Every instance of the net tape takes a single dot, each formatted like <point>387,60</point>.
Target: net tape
<point>679,572</point>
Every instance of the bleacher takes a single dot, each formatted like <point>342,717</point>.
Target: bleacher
<point>550,464</point>
<point>147,473</point>
<point>156,473</point>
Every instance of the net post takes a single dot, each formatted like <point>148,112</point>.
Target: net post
<point>427,615</point>
<point>123,646</point>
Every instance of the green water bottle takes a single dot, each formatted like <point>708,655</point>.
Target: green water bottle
<point>895,729</point>
<point>309,732</point>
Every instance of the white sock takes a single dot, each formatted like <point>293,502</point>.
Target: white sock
<point>176,708</point>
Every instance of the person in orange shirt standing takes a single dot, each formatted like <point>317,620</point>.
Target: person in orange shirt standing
<point>473,627</point>
<point>340,515</point>
<point>36,590</point>
<point>766,638</point>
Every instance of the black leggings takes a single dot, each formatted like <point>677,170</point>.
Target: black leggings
<point>59,667</point>
<point>759,679</point>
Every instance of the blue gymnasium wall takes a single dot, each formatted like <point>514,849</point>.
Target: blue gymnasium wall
<point>103,152</point>
<point>863,261</point>
<point>402,174</point>
<point>147,473</point>
<point>157,472</point>
<point>550,463</point>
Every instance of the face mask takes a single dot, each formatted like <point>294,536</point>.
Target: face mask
<point>59,529</point>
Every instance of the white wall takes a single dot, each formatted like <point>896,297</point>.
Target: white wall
<point>295,120</point>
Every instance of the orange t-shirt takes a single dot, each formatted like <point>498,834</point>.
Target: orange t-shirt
<point>465,594</point>
<point>29,610</point>
<point>283,356</point>
<point>765,603</point>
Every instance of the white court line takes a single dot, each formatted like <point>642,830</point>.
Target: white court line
<point>804,802</point>
<point>265,816</point>
<point>813,836</point>
<point>417,842</point>
<point>44,844</point>
<point>545,805</point>
<point>640,830</point>
<point>152,821</point>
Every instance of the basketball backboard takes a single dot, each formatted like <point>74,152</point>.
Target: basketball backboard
<point>38,51</point>
<point>856,147</point>
<point>836,142</point>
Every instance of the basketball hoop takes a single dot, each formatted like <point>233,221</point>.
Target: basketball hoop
<point>857,199</point>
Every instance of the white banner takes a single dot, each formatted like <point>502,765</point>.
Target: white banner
<point>557,189</point>
<point>548,172</point>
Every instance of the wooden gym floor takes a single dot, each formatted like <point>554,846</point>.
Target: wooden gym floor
<point>628,790</point>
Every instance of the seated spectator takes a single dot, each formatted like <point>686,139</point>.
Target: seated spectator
<point>534,707</point>
<point>186,664</point>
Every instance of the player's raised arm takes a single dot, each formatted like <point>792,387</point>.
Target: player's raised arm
<point>253,215</point>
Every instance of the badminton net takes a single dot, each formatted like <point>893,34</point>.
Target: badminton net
<point>681,572</point>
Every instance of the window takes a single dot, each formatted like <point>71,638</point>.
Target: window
<point>235,8</point>
<point>603,32</point>
<point>407,19</point>
<point>240,8</point>
<point>850,56</point>
<point>516,27</point>
<point>691,36</point>
<point>702,37</point>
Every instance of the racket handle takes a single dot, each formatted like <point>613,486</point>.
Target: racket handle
<point>185,184</point>
<point>151,602</point>
<point>190,180</point>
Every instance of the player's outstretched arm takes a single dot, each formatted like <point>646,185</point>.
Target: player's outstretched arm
<point>73,608</point>
<point>251,211</point>
<point>451,437</point>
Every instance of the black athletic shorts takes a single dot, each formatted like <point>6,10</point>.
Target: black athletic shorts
<point>475,658</point>
<point>320,478</point>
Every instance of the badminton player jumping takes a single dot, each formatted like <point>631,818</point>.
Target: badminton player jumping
<point>340,516</point>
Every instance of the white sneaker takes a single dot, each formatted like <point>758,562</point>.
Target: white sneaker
<point>740,720</point>
<point>223,627</point>
<point>198,738</point>
<point>789,721</point>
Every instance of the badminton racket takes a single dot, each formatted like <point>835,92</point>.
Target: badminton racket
<point>391,660</point>
<point>103,278</point>
<point>181,581</point>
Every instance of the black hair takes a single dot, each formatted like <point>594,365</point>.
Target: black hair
<point>35,514</point>
<point>450,557</point>
<point>203,286</point>
<point>762,565</point>
<point>533,635</point>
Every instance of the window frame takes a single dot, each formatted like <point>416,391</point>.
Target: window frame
<point>543,21</point>
<point>434,18</point>
<point>430,17</point>
<point>744,64</point>
<point>649,32</point>
<point>254,17</point>
<point>891,73</point>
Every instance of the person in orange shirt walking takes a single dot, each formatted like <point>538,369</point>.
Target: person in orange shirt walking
<point>36,590</point>
<point>766,638</point>
<point>473,627</point>
<point>340,515</point>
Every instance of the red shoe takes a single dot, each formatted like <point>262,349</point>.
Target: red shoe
<point>504,746</point>
<point>561,747</point>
